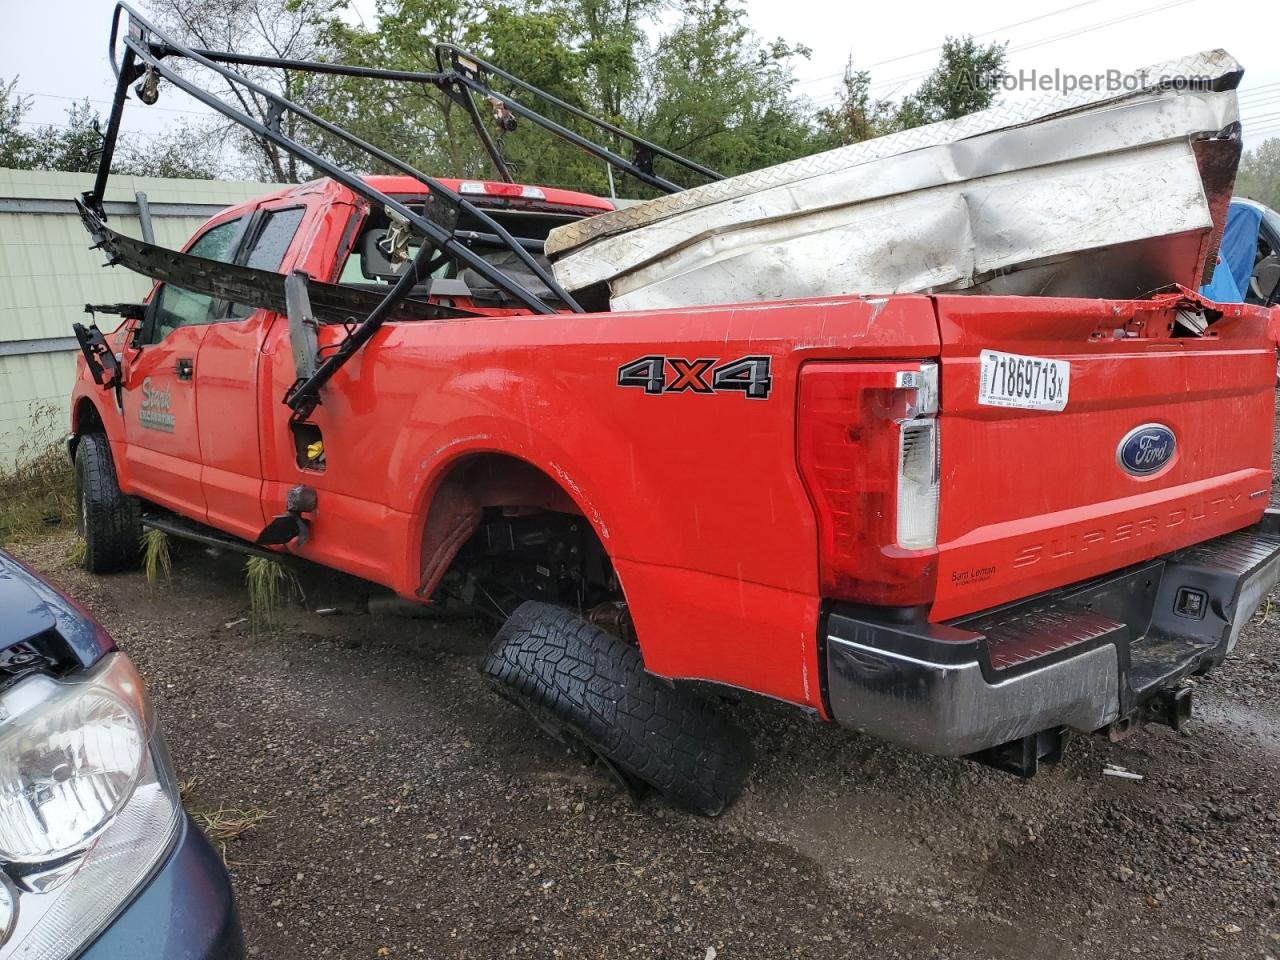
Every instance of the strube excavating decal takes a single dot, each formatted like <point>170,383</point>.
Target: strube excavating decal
<point>154,412</point>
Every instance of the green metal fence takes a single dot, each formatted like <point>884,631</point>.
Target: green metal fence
<point>48,273</point>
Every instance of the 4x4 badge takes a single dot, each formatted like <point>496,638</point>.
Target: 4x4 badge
<point>750,375</point>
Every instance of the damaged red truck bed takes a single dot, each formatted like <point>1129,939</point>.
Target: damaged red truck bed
<point>751,520</point>
<point>969,524</point>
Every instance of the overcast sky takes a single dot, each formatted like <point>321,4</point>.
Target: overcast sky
<point>58,47</point>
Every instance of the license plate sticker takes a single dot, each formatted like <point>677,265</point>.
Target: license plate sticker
<point>1028,383</point>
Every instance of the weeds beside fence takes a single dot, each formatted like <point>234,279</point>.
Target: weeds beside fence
<point>37,492</point>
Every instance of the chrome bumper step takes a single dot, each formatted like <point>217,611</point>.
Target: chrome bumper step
<point>1080,658</point>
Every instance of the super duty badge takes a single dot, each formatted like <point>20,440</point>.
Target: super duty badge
<point>658,374</point>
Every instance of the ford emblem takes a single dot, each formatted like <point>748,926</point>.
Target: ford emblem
<point>1146,449</point>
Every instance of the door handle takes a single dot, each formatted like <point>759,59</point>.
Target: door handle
<point>185,369</point>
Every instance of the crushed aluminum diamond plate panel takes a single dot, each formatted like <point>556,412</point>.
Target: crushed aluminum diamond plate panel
<point>1212,63</point>
<point>957,205</point>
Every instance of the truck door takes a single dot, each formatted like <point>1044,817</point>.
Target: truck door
<point>227,409</point>
<point>160,417</point>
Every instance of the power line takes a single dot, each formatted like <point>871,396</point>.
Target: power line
<point>1071,34</point>
<point>1032,44</point>
<point>1250,95</point>
<point>985,33</point>
<point>1262,103</point>
<point>1083,30</point>
<point>36,125</point>
<point>59,96</point>
<point>1261,126</point>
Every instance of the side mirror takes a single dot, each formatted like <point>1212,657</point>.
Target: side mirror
<point>302,324</point>
<point>144,329</point>
<point>377,255</point>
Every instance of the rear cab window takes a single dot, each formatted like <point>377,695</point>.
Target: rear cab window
<point>272,238</point>
<point>365,267</point>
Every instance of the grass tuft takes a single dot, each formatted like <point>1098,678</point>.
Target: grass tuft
<point>76,552</point>
<point>226,824</point>
<point>37,489</point>
<point>155,556</point>
<point>271,586</point>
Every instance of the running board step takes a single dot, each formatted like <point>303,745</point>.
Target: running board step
<point>184,529</point>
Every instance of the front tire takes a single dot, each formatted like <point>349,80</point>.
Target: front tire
<point>581,683</point>
<point>109,521</point>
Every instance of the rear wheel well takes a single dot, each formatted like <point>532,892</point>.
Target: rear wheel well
<point>500,531</point>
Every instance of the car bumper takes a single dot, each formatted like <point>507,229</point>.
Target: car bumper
<point>185,912</point>
<point>1083,658</point>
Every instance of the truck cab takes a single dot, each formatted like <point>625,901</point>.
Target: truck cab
<point>201,430</point>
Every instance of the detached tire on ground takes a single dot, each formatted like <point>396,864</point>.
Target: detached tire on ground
<point>581,683</point>
<point>109,521</point>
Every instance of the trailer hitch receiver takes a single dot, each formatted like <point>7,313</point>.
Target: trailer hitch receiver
<point>1169,707</point>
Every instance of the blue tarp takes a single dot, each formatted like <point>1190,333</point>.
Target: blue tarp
<point>1236,255</point>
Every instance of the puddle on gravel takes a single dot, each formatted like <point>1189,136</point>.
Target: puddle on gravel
<point>1234,718</point>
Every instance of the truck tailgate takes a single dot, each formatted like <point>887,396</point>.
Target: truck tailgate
<point>1033,499</point>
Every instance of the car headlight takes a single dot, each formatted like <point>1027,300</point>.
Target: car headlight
<point>88,805</point>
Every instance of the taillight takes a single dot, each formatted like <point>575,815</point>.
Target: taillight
<point>868,454</point>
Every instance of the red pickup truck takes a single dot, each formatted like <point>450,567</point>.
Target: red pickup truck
<point>970,524</point>
<point>807,500</point>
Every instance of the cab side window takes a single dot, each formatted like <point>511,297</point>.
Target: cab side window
<point>177,307</point>
<point>267,250</point>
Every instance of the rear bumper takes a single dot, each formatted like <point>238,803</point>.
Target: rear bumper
<point>1081,657</point>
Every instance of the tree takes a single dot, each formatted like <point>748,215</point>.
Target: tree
<point>186,151</point>
<point>1259,176</point>
<point>72,146</point>
<point>68,146</point>
<point>279,28</point>
<point>963,82</point>
<point>14,141</point>
<point>708,87</point>
<point>722,96</point>
<point>856,115</point>
<point>583,51</point>
<point>410,121</point>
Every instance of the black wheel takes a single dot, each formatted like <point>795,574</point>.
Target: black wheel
<point>109,521</point>
<point>590,689</point>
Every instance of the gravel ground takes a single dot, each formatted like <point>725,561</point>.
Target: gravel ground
<point>394,807</point>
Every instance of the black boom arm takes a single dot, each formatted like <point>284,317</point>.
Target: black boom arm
<point>141,53</point>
